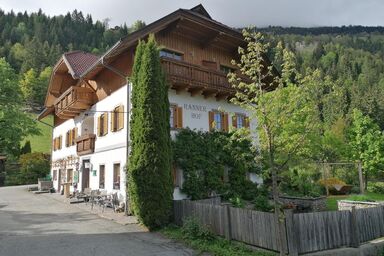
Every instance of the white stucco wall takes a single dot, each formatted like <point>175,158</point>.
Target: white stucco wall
<point>111,148</point>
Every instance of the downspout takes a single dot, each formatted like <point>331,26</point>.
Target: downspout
<point>121,74</point>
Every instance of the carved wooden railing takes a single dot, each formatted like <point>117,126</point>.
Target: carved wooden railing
<point>73,101</point>
<point>180,72</point>
<point>85,144</point>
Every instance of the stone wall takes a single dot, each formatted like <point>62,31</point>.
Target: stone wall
<point>347,204</point>
<point>303,204</point>
<point>45,185</point>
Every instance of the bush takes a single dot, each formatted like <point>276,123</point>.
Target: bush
<point>192,229</point>
<point>261,203</point>
<point>236,202</point>
<point>377,187</point>
<point>300,182</point>
<point>355,190</point>
<point>32,167</point>
<point>363,198</point>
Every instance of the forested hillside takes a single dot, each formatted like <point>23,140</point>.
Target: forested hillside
<point>350,59</point>
<point>32,43</point>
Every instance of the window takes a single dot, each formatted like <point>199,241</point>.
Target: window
<point>68,138</point>
<point>226,69</point>
<point>176,117</point>
<point>70,175</point>
<point>171,54</point>
<point>117,118</point>
<point>218,121</point>
<point>57,143</point>
<point>102,176</point>
<point>116,176</point>
<point>102,124</point>
<point>240,121</point>
<point>54,174</point>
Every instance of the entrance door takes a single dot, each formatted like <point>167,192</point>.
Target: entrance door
<point>85,175</point>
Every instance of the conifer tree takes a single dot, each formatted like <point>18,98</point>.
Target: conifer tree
<point>149,168</point>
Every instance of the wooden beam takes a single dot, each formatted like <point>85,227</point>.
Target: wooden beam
<point>180,88</point>
<point>222,96</point>
<point>209,93</point>
<point>210,40</point>
<point>171,27</point>
<point>195,91</point>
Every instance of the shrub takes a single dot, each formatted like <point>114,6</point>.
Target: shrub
<point>301,183</point>
<point>261,203</point>
<point>149,171</point>
<point>377,187</point>
<point>192,229</point>
<point>32,167</point>
<point>355,190</point>
<point>236,202</point>
<point>360,198</point>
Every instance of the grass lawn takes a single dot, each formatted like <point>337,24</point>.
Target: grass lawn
<point>332,200</point>
<point>216,246</point>
<point>43,142</point>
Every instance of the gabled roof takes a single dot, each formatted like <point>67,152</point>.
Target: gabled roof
<point>78,62</point>
<point>201,10</point>
<point>197,16</point>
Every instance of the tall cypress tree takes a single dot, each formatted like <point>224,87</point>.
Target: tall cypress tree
<point>149,168</point>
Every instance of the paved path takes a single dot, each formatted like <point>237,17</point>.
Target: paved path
<point>36,225</point>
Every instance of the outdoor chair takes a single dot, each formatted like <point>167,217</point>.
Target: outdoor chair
<point>93,199</point>
<point>111,201</point>
<point>84,195</point>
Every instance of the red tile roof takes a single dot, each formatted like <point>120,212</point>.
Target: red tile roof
<point>79,62</point>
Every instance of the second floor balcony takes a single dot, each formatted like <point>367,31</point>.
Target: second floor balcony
<point>196,79</point>
<point>73,101</point>
<point>85,144</point>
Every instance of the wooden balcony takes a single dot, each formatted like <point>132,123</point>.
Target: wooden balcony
<point>73,101</point>
<point>85,144</point>
<point>196,79</point>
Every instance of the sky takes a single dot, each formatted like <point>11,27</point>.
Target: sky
<point>235,13</point>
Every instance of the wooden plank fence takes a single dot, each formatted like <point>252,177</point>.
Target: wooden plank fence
<point>304,232</point>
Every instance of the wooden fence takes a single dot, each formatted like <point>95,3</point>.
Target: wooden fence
<point>303,232</point>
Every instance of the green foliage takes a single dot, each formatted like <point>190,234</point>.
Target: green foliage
<point>149,171</point>
<point>376,187</point>
<point>301,182</point>
<point>32,167</point>
<point>192,229</point>
<point>215,246</point>
<point>237,202</point>
<point>15,125</point>
<point>206,157</point>
<point>360,198</point>
<point>366,143</point>
<point>261,203</point>
<point>26,148</point>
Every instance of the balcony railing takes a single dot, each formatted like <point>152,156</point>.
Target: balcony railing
<point>193,76</point>
<point>85,144</point>
<point>73,101</point>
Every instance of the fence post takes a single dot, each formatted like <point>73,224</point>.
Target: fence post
<point>291,238</point>
<point>228,227</point>
<point>355,240</point>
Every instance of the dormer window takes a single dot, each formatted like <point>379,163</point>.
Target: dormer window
<point>171,54</point>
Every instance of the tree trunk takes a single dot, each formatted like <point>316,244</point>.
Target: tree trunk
<point>366,180</point>
<point>276,201</point>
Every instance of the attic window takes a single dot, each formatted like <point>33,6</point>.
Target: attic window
<point>171,54</point>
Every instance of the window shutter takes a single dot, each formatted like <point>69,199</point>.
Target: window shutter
<point>74,135</point>
<point>113,113</point>
<point>54,144</point>
<point>246,120</point>
<point>179,117</point>
<point>99,126</point>
<point>174,109</point>
<point>67,139</point>
<point>210,120</point>
<point>105,125</point>
<point>121,117</point>
<point>60,141</point>
<point>225,122</point>
<point>234,121</point>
